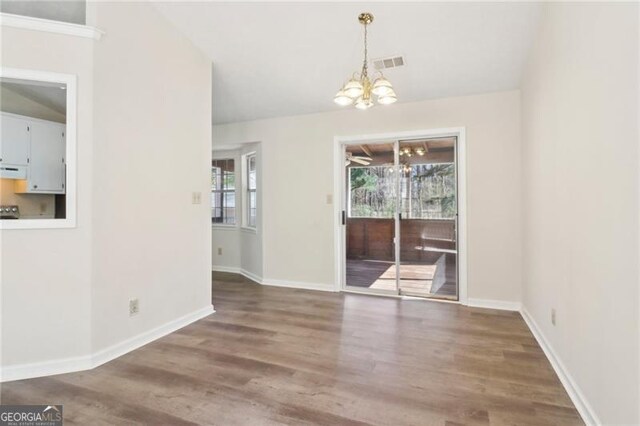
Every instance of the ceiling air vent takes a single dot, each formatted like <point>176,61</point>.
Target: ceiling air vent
<point>390,62</point>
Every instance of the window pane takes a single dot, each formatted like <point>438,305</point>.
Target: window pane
<point>223,194</point>
<point>216,207</point>
<point>230,207</point>
<point>251,182</point>
<point>215,178</point>
<point>229,181</point>
<point>430,192</point>
<point>372,191</point>
<point>251,168</point>
<point>252,208</point>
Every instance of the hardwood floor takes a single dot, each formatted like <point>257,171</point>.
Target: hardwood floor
<point>281,356</point>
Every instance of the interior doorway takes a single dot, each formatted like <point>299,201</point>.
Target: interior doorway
<point>400,230</point>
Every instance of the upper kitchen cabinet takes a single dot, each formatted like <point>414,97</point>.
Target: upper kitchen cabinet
<point>46,171</point>
<point>14,145</point>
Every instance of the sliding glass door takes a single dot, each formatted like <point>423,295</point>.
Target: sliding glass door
<point>370,225</point>
<point>401,218</point>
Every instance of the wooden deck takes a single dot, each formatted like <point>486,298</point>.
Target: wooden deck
<point>272,356</point>
<point>437,279</point>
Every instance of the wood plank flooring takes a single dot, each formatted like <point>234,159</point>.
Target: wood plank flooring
<point>281,356</point>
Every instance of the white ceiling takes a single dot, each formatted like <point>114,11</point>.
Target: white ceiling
<point>43,93</point>
<point>278,59</point>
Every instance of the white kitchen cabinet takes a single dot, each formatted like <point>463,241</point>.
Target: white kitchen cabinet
<point>14,145</point>
<point>46,168</point>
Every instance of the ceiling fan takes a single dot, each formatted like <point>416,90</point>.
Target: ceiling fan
<point>365,161</point>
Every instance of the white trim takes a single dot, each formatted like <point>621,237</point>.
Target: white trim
<point>69,365</point>
<point>577,397</point>
<point>227,147</point>
<point>47,25</point>
<point>222,227</point>
<point>135,342</point>
<point>502,305</point>
<point>253,277</point>
<point>230,269</point>
<point>338,196</point>
<point>274,282</point>
<point>70,80</point>
<point>339,176</point>
<point>46,368</point>
<point>461,171</point>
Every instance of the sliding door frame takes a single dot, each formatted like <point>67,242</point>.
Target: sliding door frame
<point>339,197</point>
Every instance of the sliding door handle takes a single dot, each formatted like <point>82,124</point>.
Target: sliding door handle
<point>344,217</point>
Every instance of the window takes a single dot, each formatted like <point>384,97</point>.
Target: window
<point>427,191</point>
<point>251,185</point>
<point>223,192</point>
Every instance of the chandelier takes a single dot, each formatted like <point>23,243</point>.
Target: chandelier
<point>359,90</point>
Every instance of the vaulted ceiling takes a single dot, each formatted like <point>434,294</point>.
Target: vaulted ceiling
<point>278,59</point>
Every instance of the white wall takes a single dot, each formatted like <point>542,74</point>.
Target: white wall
<point>144,145</point>
<point>297,175</point>
<point>152,150</point>
<point>46,274</point>
<point>580,197</point>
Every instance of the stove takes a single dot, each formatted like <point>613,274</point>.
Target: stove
<point>9,212</point>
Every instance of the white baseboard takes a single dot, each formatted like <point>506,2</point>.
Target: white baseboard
<point>577,397</point>
<point>121,348</point>
<point>272,282</point>
<point>230,269</point>
<point>251,276</point>
<point>237,270</point>
<point>46,368</point>
<point>70,365</point>
<point>502,305</point>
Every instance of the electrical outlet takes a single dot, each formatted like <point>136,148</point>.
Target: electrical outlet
<point>553,317</point>
<point>134,307</point>
<point>219,250</point>
<point>196,198</point>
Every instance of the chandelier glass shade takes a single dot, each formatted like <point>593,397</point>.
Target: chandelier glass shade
<point>359,90</point>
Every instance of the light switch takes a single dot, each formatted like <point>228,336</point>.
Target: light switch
<point>329,199</point>
<point>196,198</point>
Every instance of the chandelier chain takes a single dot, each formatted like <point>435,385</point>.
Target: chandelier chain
<point>365,65</point>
